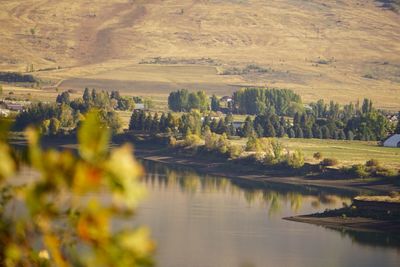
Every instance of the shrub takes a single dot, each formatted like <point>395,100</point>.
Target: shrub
<point>317,155</point>
<point>385,172</point>
<point>372,163</point>
<point>222,144</point>
<point>328,162</point>
<point>192,140</point>
<point>172,141</point>
<point>235,151</point>
<point>295,159</point>
<point>359,170</point>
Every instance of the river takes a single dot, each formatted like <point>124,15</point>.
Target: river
<point>204,221</point>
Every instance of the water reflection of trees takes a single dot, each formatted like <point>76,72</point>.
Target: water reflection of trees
<point>274,196</point>
<point>370,238</point>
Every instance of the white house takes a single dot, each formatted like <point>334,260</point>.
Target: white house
<point>139,106</point>
<point>393,141</point>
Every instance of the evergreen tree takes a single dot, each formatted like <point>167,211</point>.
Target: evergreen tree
<point>148,122</point>
<point>248,129</point>
<point>214,125</point>
<point>296,119</point>
<point>163,123</point>
<point>155,124</point>
<point>308,132</point>
<point>281,131</point>
<point>270,130</point>
<point>291,133</point>
<point>299,132</point>
<point>133,123</point>
<point>350,135</point>
<point>259,130</point>
<point>222,127</point>
<point>141,121</point>
<point>325,132</point>
<point>342,135</point>
<point>86,96</point>
<point>231,130</point>
<point>317,133</point>
<point>214,103</point>
<point>63,98</point>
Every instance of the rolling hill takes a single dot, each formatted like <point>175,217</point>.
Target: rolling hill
<point>340,50</point>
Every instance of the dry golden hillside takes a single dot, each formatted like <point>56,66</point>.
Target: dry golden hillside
<point>341,50</point>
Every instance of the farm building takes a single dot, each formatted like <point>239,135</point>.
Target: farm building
<point>392,141</point>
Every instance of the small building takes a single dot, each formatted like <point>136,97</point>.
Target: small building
<point>14,106</point>
<point>237,124</point>
<point>393,118</point>
<point>226,99</point>
<point>392,141</point>
<point>139,106</point>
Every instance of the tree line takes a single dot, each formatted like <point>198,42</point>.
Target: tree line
<point>65,115</point>
<point>322,121</point>
<point>280,112</point>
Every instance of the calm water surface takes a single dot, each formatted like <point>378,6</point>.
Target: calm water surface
<point>202,221</point>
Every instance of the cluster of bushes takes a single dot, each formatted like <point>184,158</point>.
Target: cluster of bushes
<point>372,168</point>
<point>219,143</point>
<point>272,153</point>
<point>262,151</point>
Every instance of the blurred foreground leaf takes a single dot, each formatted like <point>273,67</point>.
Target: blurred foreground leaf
<point>66,215</point>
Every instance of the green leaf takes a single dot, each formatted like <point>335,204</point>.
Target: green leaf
<point>93,138</point>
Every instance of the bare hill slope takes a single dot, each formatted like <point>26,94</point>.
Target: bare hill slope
<point>340,50</point>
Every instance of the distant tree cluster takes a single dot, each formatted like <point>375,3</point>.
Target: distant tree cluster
<point>13,77</point>
<point>255,101</point>
<point>323,121</point>
<point>147,122</point>
<point>98,99</point>
<point>185,124</point>
<point>280,113</point>
<point>183,100</point>
<point>65,116</point>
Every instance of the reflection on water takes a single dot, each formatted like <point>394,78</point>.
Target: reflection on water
<point>369,238</point>
<point>273,196</point>
<point>200,220</point>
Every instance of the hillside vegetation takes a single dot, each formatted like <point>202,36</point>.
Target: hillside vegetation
<point>329,49</point>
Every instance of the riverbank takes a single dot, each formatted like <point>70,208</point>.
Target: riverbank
<point>356,223</point>
<point>213,165</point>
<point>367,213</point>
<point>209,163</point>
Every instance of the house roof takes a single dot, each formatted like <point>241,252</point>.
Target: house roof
<point>393,141</point>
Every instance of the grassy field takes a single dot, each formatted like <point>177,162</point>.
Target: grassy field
<point>346,152</point>
<point>321,49</point>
